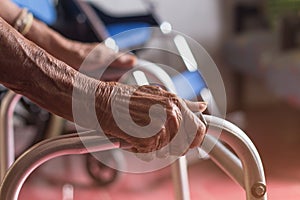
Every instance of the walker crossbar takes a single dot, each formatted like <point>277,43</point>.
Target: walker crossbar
<point>73,144</point>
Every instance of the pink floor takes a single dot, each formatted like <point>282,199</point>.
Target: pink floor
<point>274,130</point>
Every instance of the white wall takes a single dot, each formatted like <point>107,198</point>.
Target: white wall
<point>200,19</point>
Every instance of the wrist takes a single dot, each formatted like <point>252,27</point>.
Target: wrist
<point>48,39</point>
<point>103,104</point>
<point>66,50</point>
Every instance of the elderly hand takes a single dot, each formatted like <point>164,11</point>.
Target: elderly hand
<point>150,119</point>
<point>99,56</point>
<point>95,57</point>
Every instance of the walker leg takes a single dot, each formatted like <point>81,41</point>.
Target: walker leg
<point>180,179</point>
<point>224,159</point>
<point>7,144</point>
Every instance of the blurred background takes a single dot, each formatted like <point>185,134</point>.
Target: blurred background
<point>255,45</point>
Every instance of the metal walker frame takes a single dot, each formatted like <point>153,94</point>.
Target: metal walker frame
<point>246,168</point>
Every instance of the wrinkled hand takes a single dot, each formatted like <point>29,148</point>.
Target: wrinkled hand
<point>93,56</point>
<point>150,119</point>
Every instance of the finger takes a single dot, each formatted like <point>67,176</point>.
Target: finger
<point>147,157</point>
<point>194,127</point>
<point>179,145</point>
<point>181,142</point>
<point>113,74</point>
<point>196,106</point>
<point>125,61</point>
<point>172,128</point>
<point>161,145</point>
<point>201,130</point>
<point>163,152</point>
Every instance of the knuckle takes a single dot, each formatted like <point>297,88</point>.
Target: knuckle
<point>202,128</point>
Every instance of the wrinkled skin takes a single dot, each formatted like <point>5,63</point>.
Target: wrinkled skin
<point>74,53</point>
<point>29,70</point>
<point>71,52</point>
<point>102,56</point>
<point>179,119</point>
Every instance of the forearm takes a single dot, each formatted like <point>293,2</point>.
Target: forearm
<point>71,52</point>
<point>32,72</point>
<point>39,33</point>
<point>50,40</point>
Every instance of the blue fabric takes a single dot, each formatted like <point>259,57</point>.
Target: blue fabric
<point>137,34</point>
<point>189,84</point>
<point>43,10</point>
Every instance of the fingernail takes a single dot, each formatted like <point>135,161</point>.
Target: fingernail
<point>146,157</point>
<point>124,58</point>
<point>127,58</point>
<point>203,105</point>
<point>163,152</point>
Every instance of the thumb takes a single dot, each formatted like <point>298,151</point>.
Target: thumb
<point>196,106</point>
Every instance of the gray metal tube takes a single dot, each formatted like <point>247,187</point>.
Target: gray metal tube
<point>180,179</point>
<point>7,144</point>
<point>224,158</point>
<point>46,150</point>
<point>254,177</point>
